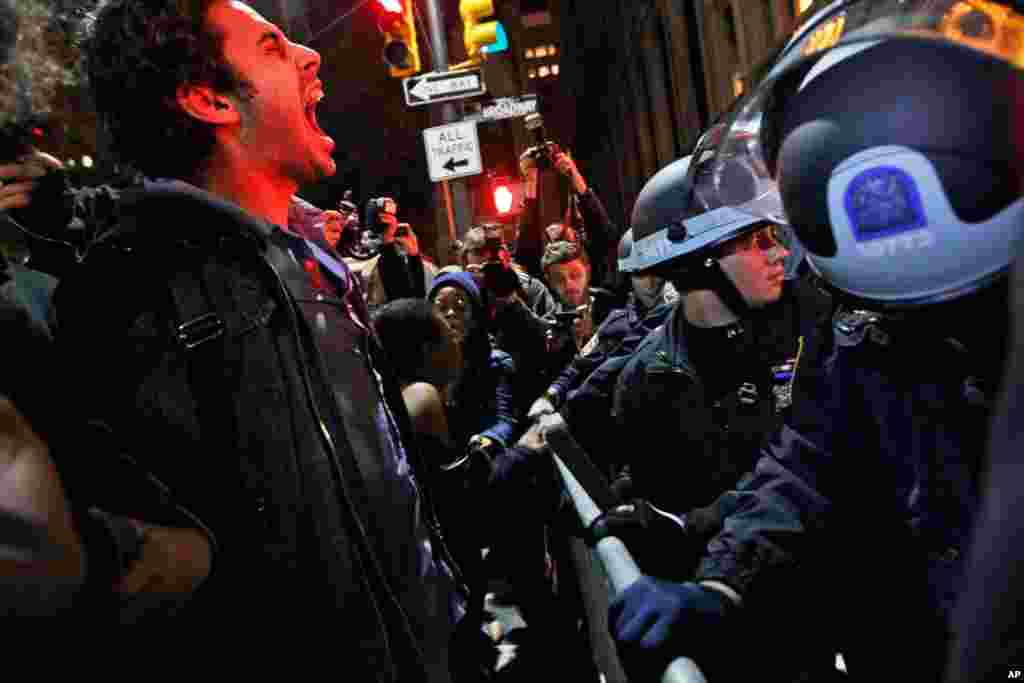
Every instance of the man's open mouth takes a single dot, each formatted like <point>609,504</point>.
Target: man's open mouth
<point>313,100</point>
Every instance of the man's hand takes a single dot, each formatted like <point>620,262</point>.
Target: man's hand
<point>528,168</point>
<point>655,621</point>
<point>18,178</point>
<point>567,167</point>
<point>528,161</point>
<point>174,562</point>
<point>31,490</point>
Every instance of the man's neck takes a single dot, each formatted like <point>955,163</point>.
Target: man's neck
<point>262,194</point>
<point>704,308</point>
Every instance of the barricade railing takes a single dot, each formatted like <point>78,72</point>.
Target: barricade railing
<point>619,567</point>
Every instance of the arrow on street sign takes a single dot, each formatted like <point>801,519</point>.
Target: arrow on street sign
<point>451,164</point>
<point>439,86</point>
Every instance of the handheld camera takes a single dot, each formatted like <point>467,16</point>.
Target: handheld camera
<point>544,151</point>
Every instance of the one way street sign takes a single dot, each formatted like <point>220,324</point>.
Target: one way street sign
<point>443,85</point>
<point>453,151</point>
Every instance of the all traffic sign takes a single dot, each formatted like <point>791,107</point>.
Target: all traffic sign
<point>443,85</point>
<point>453,151</point>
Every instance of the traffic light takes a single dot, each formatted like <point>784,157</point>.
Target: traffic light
<point>503,197</point>
<point>398,24</point>
<point>476,33</point>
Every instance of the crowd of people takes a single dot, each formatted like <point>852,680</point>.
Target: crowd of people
<point>798,371</point>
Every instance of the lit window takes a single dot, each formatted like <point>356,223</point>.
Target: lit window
<point>554,69</point>
<point>541,52</point>
<point>532,73</point>
<point>543,71</point>
<point>737,85</point>
<point>552,50</point>
<point>529,53</point>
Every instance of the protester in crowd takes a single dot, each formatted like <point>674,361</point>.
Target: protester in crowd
<point>517,304</point>
<point>65,552</point>
<point>271,373</point>
<point>397,270</point>
<point>596,234</point>
<point>485,244</point>
<point>481,403</point>
<point>647,307</point>
<point>431,358</point>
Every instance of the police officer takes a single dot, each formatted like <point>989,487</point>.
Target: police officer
<point>702,391</point>
<point>887,135</point>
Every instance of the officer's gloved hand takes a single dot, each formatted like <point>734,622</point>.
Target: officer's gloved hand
<point>477,461</point>
<point>655,621</point>
<point>482,451</point>
<point>542,406</point>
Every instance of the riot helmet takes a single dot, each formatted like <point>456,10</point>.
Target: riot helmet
<point>888,136</point>
<point>675,236</point>
<point>625,251</point>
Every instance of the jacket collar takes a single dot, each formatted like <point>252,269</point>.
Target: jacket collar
<point>178,211</point>
<point>667,350</point>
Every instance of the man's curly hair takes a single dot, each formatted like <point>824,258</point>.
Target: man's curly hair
<point>35,58</point>
<point>137,53</point>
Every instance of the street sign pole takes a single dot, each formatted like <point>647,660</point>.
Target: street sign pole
<point>455,197</point>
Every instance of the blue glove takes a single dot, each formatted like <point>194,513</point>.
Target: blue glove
<point>655,621</point>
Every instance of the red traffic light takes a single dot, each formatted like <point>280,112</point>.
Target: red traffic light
<point>393,6</point>
<point>503,198</point>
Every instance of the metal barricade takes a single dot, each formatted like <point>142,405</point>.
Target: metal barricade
<point>621,571</point>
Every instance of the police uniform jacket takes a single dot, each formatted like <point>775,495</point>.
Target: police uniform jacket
<point>857,515</point>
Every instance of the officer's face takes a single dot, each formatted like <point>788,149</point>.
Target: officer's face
<point>754,264</point>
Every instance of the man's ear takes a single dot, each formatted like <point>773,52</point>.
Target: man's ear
<point>203,103</point>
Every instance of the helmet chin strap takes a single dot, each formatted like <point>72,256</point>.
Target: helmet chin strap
<point>715,279</point>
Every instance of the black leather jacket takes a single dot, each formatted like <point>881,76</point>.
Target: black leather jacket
<point>233,408</point>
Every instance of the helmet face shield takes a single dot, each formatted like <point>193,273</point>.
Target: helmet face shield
<point>742,172</point>
<point>889,136</point>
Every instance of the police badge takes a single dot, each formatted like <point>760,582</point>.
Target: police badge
<point>783,376</point>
